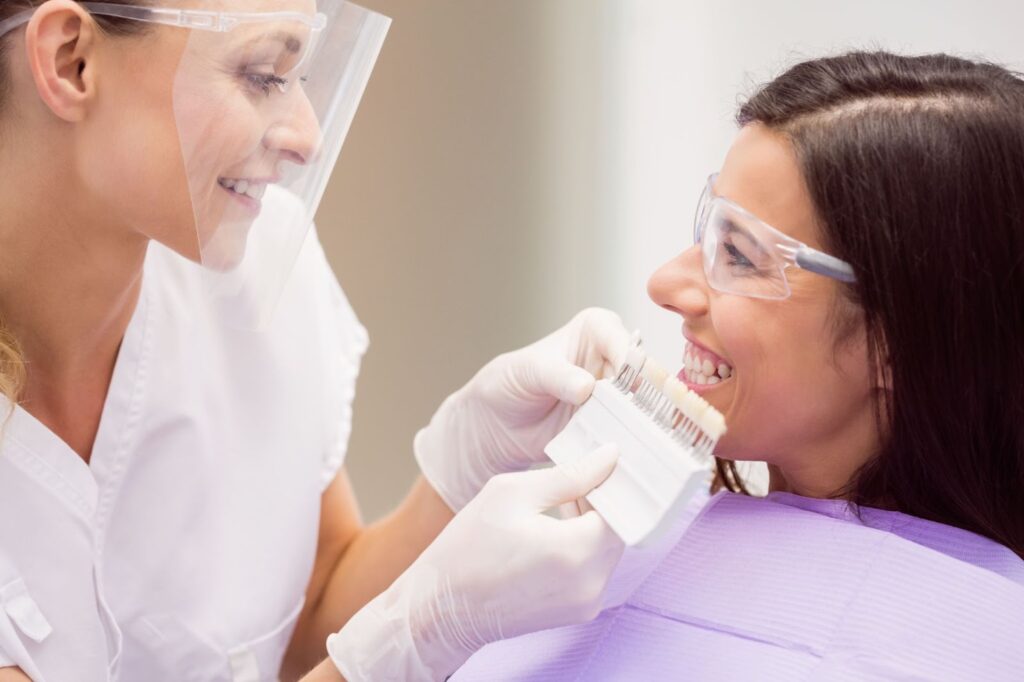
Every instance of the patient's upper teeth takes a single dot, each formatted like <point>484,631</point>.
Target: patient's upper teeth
<point>707,368</point>
<point>241,186</point>
<point>225,182</point>
<point>724,371</point>
<point>255,190</point>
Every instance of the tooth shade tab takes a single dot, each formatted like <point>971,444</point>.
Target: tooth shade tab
<point>632,366</point>
<point>655,374</point>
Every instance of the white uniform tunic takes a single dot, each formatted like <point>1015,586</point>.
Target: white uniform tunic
<point>182,551</point>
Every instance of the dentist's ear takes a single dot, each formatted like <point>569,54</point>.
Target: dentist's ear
<point>60,44</point>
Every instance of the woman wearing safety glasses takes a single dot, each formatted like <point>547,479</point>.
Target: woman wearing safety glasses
<point>854,305</point>
<point>178,362</point>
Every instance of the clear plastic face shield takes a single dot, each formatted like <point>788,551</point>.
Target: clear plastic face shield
<point>744,255</point>
<point>263,96</point>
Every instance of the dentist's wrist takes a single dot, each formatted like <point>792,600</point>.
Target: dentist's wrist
<point>377,643</point>
<point>409,632</point>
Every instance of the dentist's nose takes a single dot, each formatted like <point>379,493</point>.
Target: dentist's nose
<point>295,135</point>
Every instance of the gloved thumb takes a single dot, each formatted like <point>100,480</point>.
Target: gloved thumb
<point>568,482</point>
<point>575,384</point>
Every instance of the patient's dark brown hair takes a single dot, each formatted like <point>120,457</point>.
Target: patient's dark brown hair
<point>915,166</point>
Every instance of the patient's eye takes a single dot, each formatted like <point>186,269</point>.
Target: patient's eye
<point>737,259</point>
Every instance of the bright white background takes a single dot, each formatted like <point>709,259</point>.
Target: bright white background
<point>513,162</point>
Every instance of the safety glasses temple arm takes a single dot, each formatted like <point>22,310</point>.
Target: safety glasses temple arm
<point>824,264</point>
<point>198,19</point>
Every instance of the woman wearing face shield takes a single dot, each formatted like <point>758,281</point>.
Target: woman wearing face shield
<point>178,364</point>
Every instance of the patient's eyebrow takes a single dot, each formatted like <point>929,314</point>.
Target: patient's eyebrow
<point>733,228</point>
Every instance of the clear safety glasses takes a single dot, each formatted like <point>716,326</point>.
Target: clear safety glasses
<point>203,20</point>
<point>746,256</point>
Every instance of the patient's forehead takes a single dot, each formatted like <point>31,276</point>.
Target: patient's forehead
<point>761,173</point>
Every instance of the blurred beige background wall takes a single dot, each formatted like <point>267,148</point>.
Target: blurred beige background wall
<point>468,213</point>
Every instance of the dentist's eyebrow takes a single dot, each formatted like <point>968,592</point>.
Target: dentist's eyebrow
<point>291,42</point>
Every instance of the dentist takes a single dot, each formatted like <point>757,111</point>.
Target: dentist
<point>178,363</point>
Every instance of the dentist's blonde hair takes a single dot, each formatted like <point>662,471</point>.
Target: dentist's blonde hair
<point>12,367</point>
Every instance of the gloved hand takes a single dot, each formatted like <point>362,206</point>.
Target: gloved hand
<point>501,568</point>
<point>501,420</point>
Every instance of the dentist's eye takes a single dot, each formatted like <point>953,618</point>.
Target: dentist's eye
<point>263,82</point>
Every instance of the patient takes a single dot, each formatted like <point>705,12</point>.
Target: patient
<point>858,287</point>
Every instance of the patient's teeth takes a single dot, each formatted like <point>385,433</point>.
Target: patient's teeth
<point>724,371</point>
<point>708,368</point>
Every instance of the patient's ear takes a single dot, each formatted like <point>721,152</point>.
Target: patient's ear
<point>60,44</point>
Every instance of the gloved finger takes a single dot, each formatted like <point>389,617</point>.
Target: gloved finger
<point>610,340</point>
<point>592,531</point>
<point>564,483</point>
<point>553,377</point>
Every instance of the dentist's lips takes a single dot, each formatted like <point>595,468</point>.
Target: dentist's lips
<point>703,369</point>
<point>246,191</point>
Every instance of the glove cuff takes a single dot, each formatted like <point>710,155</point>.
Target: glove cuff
<point>402,634</point>
<point>376,644</point>
<point>432,458</point>
<point>449,455</point>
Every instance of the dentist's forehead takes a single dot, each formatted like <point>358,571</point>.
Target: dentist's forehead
<point>302,6</point>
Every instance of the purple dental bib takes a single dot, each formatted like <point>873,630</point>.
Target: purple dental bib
<point>792,588</point>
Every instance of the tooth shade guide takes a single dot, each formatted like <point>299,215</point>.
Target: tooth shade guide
<point>662,429</point>
<point>668,401</point>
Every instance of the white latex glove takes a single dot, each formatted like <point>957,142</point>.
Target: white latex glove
<point>501,568</point>
<point>501,420</point>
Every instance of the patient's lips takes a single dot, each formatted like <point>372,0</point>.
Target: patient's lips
<point>702,368</point>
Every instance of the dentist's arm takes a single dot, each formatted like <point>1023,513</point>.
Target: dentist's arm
<point>499,422</point>
<point>355,563</point>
